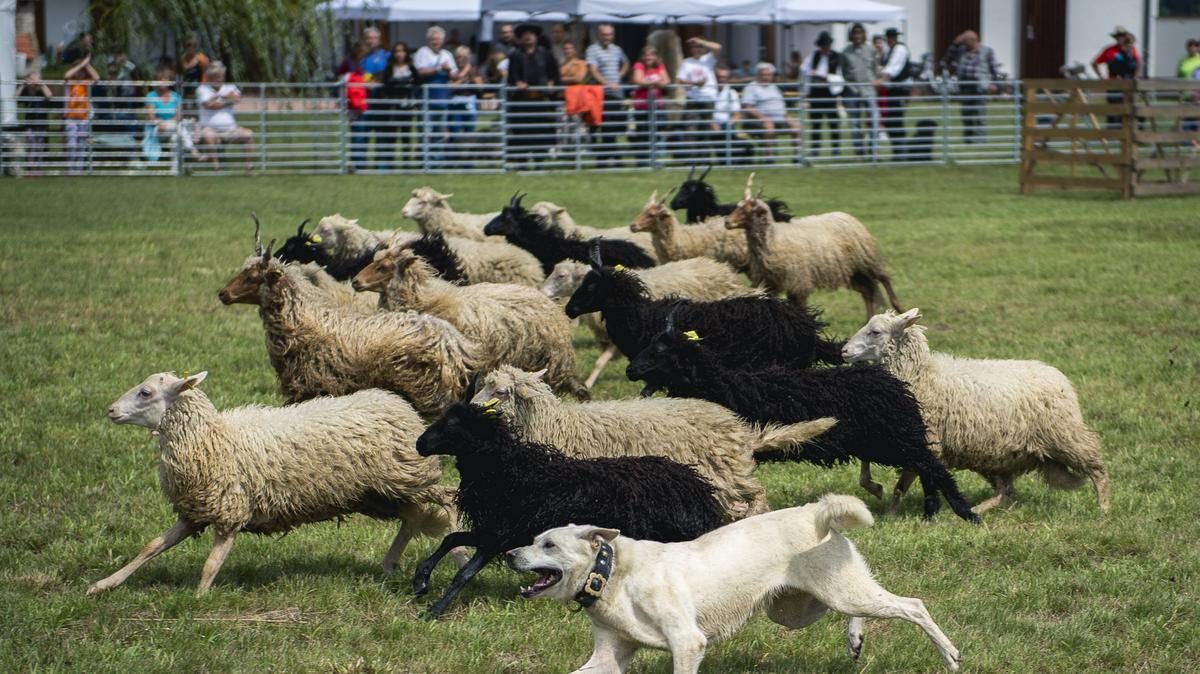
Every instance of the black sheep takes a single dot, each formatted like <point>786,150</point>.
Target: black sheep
<point>747,332</point>
<point>510,491</point>
<point>700,200</point>
<point>879,419</point>
<point>432,247</point>
<point>550,246</point>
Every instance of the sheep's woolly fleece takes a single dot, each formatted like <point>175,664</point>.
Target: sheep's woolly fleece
<point>673,241</point>
<point>432,213</point>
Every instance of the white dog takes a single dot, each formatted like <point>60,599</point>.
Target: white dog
<point>682,596</point>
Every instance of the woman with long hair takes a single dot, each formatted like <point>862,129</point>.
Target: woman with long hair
<point>395,99</point>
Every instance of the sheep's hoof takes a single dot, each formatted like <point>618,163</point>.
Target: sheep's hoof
<point>874,489</point>
<point>856,646</point>
<point>96,588</point>
<point>420,586</point>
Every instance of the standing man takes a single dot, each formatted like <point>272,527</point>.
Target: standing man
<point>607,66</point>
<point>698,74</point>
<point>858,68</point>
<point>894,81</point>
<point>977,73</point>
<point>1121,61</point>
<point>531,66</point>
<point>822,67</point>
<point>435,67</point>
<point>765,107</point>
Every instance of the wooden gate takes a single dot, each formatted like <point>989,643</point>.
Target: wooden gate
<point>1139,137</point>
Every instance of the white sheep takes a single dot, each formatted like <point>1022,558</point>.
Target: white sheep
<point>326,289</point>
<point>999,418</point>
<point>319,350</point>
<point>557,216</point>
<point>698,278</point>
<point>513,324</point>
<point>267,470</point>
<point>827,251</point>
<point>432,213</point>
<point>709,437</point>
<point>673,241</point>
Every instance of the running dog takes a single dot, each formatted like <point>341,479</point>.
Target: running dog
<point>681,597</point>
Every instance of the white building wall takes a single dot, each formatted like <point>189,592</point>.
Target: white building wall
<point>1089,23</point>
<point>64,20</point>
<point>1170,38</point>
<point>1000,28</point>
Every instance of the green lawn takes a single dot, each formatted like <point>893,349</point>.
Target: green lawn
<point>108,280</point>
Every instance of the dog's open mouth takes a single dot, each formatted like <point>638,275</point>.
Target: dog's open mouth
<point>546,579</point>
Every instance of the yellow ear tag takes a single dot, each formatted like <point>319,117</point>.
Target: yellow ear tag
<point>315,238</point>
<point>491,412</point>
<point>489,404</point>
<point>691,336</point>
<point>618,267</point>
<point>186,374</point>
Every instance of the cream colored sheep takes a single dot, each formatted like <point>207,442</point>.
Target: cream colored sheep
<point>699,278</point>
<point>267,470</point>
<point>513,324</point>
<point>321,350</point>
<point>818,252</point>
<point>344,240</point>
<point>493,261</point>
<point>432,213</point>
<point>673,241</point>
<point>557,216</point>
<point>707,436</point>
<point>328,291</point>
<point>999,418</point>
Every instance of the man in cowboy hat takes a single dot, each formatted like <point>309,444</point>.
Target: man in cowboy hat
<point>531,66</point>
<point>823,71</point>
<point>1120,59</point>
<point>893,83</point>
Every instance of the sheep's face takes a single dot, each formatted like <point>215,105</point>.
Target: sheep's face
<point>588,296</point>
<point>458,430</point>
<point>377,274</point>
<point>565,279</point>
<point>328,234</point>
<point>875,341</point>
<point>654,214</point>
<point>747,212</point>
<point>549,213</point>
<point>421,204</point>
<point>146,403</point>
<point>507,219</point>
<point>562,558</point>
<point>504,386</point>
<point>243,287</point>
<point>693,192</point>
<point>669,354</point>
<point>298,247</point>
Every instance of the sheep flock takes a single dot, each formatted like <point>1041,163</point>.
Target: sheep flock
<point>392,347</point>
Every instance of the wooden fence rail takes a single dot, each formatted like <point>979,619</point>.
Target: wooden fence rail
<point>1139,137</point>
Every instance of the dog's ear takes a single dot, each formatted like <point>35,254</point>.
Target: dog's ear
<point>596,535</point>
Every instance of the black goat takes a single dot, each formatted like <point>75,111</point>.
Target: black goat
<point>550,246</point>
<point>510,491</point>
<point>432,247</point>
<point>700,200</point>
<point>747,332</point>
<point>879,420</point>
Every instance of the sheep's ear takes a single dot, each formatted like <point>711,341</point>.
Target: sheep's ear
<point>594,254</point>
<point>597,535</point>
<point>191,381</point>
<point>910,317</point>
<point>559,211</point>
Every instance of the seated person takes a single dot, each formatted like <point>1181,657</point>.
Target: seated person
<point>215,100</point>
<point>763,107</point>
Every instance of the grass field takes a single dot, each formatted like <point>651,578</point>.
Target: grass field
<point>108,280</point>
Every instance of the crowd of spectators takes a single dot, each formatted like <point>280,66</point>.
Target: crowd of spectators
<point>402,105</point>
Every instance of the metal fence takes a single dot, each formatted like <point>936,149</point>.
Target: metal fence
<point>147,128</point>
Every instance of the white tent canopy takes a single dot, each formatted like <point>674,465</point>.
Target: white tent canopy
<point>822,11</point>
<point>696,11</point>
<point>403,10</point>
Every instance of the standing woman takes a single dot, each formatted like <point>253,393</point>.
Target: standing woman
<point>355,81</point>
<point>463,100</point>
<point>395,99</point>
<point>651,79</point>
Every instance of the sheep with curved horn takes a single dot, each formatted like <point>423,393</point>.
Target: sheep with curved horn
<point>257,234</point>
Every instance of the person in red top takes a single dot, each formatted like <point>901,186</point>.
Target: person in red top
<point>355,81</point>
<point>651,78</point>
<point>1121,61</point>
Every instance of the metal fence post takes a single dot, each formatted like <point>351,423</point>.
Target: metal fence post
<point>343,136</point>
<point>945,95</point>
<point>502,124</point>
<point>262,126</point>
<point>652,151</point>
<point>426,161</point>
<point>1018,102</point>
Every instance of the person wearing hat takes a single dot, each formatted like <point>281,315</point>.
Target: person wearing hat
<point>1120,59</point>
<point>822,70</point>
<point>859,64</point>
<point>894,76</point>
<point>530,67</point>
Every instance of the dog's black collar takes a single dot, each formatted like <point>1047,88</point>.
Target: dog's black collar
<point>597,579</point>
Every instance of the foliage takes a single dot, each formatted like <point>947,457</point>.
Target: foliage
<point>109,279</point>
<point>264,40</point>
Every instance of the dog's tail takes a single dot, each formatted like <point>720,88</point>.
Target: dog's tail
<point>839,512</point>
<point>785,437</point>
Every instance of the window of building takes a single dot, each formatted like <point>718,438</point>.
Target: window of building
<point>1179,8</point>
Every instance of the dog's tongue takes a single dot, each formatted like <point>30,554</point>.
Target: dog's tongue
<point>544,581</point>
